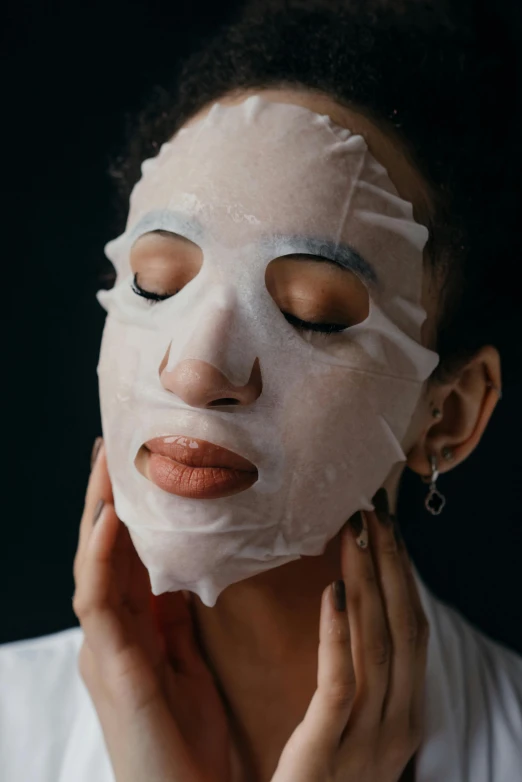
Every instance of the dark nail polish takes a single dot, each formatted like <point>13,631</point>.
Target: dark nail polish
<point>356,523</point>
<point>97,512</point>
<point>360,530</point>
<point>382,507</point>
<point>339,595</point>
<point>95,450</point>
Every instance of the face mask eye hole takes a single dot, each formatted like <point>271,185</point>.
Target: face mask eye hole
<point>315,294</point>
<point>162,263</point>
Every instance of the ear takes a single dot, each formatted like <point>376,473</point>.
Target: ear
<point>466,404</point>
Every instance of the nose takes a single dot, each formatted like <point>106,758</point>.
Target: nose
<point>200,384</point>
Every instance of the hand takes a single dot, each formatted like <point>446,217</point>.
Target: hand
<point>161,714</point>
<point>364,721</point>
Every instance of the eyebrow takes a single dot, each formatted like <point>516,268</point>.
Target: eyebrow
<point>340,253</point>
<point>320,249</point>
<point>170,221</point>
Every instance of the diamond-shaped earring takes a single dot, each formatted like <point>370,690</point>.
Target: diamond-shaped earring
<point>435,501</point>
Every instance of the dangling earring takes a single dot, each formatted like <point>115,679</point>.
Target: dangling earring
<point>435,501</point>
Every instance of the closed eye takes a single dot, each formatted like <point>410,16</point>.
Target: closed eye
<point>300,325</point>
<point>149,295</point>
<point>305,325</point>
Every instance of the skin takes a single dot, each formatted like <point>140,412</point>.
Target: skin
<point>162,716</point>
<point>260,639</point>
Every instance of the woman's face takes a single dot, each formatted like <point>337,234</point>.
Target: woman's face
<point>165,261</point>
<point>278,310</point>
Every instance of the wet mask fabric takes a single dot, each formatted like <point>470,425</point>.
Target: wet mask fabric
<point>248,184</point>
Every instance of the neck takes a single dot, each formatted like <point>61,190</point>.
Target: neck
<point>261,640</point>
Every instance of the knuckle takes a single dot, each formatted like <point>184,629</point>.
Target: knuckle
<point>339,635</point>
<point>379,652</point>
<point>81,606</point>
<point>389,549</point>
<point>339,695</point>
<point>368,576</point>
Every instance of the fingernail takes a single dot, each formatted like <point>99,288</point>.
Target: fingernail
<point>382,507</point>
<point>97,512</point>
<point>360,530</point>
<point>95,450</point>
<point>339,595</point>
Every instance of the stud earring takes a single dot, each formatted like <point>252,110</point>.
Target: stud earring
<point>435,501</point>
<point>447,453</point>
<point>436,413</point>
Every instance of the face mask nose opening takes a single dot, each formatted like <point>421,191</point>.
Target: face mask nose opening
<point>225,401</point>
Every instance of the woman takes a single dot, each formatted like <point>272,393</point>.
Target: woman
<point>233,686</point>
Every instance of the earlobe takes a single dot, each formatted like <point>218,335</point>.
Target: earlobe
<point>459,414</point>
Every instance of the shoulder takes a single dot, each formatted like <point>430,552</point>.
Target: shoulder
<point>473,698</point>
<point>40,670</point>
<point>44,707</point>
<point>472,660</point>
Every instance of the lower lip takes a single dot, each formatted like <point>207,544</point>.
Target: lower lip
<point>202,483</point>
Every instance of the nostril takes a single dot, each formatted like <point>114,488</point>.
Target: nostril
<point>224,401</point>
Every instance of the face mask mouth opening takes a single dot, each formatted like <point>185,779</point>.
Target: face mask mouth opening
<point>194,469</point>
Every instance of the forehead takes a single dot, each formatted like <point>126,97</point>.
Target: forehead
<point>241,177</point>
<point>249,178</point>
<point>260,169</point>
<point>383,143</point>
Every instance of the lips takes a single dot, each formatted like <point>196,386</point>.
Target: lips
<point>198,453</point>
<point>194,468</point>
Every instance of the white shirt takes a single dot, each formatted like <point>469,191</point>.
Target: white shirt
<point>49,729</point>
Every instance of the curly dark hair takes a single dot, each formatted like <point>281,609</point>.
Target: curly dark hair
<point>435,79</point>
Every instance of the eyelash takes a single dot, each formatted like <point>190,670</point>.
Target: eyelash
<point>151,297</point>
<point>300,325</point>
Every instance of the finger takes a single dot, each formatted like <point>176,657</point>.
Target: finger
<point>98,605</point>
<point>99,485</point>
<point>422,645</point>
<point>98,489</point>
<point>400,613</point>
<point>332,702</point>
<point>95,589</point>
<point>371,646</point>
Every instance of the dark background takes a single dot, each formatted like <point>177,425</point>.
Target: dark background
<point>71,74</point>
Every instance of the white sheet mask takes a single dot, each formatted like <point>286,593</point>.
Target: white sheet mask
<point>249,183</point>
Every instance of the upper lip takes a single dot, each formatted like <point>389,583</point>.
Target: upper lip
<point>205,455</point>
